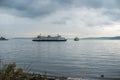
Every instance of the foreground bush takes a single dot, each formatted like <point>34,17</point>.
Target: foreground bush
<point>11,73</point>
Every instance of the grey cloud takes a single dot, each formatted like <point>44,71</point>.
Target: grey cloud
<point>101,24</point>
<point>98,3</point>
<point>27,8</point>
<point>41,8</point>
<point>30,8</point>
<point>61,21</point>
<point>113,14</point>
<point>13,4</point>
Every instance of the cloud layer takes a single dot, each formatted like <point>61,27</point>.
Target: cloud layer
<point>68,17</point>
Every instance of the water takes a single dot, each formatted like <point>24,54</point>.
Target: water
<point>88,58</point>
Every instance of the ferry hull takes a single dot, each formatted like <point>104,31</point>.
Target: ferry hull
<point>49,40</point>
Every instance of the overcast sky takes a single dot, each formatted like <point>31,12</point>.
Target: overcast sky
<point>82,18</point>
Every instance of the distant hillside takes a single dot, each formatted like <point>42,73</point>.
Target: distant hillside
<point>102,38</point>
<point>23,38</point>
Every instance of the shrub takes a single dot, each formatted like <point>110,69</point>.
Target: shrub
<point>11,73</point>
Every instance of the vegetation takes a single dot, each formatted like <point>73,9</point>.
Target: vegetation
<point>11,73</point>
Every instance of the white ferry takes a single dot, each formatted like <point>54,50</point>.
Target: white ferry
<point>49,38</point>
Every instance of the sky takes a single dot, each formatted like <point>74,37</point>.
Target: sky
<point>70,18</point>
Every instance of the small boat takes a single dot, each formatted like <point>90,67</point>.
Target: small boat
<point>49,38</point>
<point>76,39</point>
<point>2,39</point>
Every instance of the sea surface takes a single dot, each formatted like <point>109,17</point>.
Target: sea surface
<point>86,58</point>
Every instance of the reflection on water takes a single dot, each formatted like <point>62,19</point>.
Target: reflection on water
<point>83,58</point>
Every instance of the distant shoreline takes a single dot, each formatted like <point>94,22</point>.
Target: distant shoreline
<point>88,38</point>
